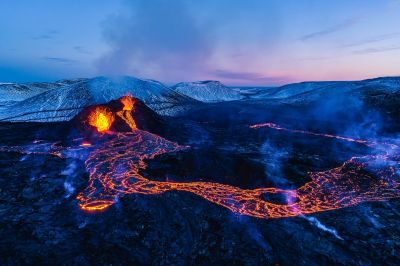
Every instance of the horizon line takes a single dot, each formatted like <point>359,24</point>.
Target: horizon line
<point>170,84</point>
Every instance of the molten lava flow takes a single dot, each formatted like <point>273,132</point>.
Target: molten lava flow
<point>275,126</point>
<point>85,144</point>
<point>127,101</point>
<point>339,187</point>
<point>123,157</point>
<point>101,118</point>
<point>126,113</point>
<point>114,164</point>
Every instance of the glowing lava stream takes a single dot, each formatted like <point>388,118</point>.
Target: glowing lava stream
<point>126,113</point>
<point>114,164</point>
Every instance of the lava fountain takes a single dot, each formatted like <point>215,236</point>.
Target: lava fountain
<point>127,101</point>
<point>101,118</point>
<point>126,113</point>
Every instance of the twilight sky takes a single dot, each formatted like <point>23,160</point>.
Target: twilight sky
<point>253,42</point>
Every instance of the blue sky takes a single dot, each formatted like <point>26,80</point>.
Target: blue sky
<point>254,42</point>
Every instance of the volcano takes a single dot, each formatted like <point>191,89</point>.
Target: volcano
<point>221,183</point>
<point>139,116</point>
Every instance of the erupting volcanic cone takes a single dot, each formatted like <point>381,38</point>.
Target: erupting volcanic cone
<point>122,115</point>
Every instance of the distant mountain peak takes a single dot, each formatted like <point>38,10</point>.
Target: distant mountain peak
<point>207,91</point>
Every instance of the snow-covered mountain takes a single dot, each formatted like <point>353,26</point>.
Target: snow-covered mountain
<point>13,92</point>
<point>289,90</point>
<point>62,100</point>
<point>380,94</point>
<point>207,91</point>
<point>63,103</point>
<point>306,92</point>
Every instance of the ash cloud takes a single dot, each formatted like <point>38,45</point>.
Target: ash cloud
<point>158,39</point>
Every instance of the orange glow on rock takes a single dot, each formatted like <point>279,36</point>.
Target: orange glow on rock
<point>101,118</point>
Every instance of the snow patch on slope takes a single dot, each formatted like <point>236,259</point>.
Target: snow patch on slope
<point>207,91</point>
<point>14,92</point>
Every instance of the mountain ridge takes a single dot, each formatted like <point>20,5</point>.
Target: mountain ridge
<point>63,99</point>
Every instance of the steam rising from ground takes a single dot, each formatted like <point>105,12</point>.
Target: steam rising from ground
<point>71,173</point>
<point>314,221</point>
<point>275,157</point>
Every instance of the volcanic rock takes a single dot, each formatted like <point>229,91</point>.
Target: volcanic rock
<point>144,117</point>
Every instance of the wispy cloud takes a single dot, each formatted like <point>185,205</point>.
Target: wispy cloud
<point>335,28</point>
<point>373,39</point>
<point>371,50</point>
<point>318,58</point>
<point>81,49</point>
<point>376,50</point>
<point>46,35</point>
<point>60,60</point>
<point>248,76</point>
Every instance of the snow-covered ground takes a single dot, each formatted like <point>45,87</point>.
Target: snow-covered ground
<point>13,92</point>
<point>207,91</point>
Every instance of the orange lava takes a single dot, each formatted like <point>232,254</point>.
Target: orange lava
<point>343,186</point>
<point>96,206</point>
<point>275,126</point>
<point>101,118</point>
<point>85,144</point>
<point>115,162</point>
<point>127,101</point>
<point>126,112</point>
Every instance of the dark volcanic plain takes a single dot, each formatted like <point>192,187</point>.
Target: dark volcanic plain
<point>41,222</point>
